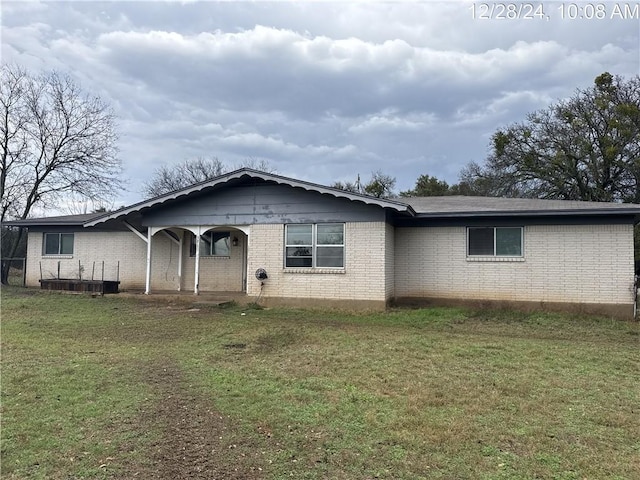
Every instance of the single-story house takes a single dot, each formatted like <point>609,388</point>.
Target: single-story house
<point>294,242</point>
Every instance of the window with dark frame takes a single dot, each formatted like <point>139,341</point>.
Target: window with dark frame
<point>494,241</point>
<point>213,243</point>
<point>314,245</point>
<point>58,243</point>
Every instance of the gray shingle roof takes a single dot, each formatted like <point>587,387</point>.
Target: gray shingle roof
<point>441,207</point>
<point>461,205</point>
<point>59,220</point>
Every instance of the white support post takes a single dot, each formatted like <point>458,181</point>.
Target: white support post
<point>197,273</point>
<point>180,246</point>
<point>147,289</point>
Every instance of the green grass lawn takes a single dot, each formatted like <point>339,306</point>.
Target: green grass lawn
<point>116,387</point>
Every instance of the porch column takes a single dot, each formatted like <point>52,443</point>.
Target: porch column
<point>147,289</point>
<point>197,273</point>
<point>180,246</point>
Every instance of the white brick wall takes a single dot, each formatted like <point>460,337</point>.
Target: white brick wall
<point>575,264</point>
<point>217,274</point>
<point>365,276</point>
<point>126,251</point>
<point>123,250</point>
<point>390,269</point>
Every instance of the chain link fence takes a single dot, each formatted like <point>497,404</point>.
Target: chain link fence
<point>17,270</point>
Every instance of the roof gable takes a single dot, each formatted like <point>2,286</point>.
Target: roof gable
<point>260,203</point>
<point>405,209</point>
<point>246,176</point>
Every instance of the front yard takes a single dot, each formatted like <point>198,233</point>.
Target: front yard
<point>126,388</point>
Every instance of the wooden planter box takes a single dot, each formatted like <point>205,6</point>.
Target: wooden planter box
<point>74,285</point>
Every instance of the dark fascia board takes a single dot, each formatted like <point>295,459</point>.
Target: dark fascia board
<point>397,206</point>
<point>634,210</point>
<point>66,220</point>
<point>516,218</point>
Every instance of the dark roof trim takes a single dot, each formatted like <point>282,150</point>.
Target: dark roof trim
<point>514,220</point>
<point>635,211</point>
<point>465,205</point>
<point>250,173</point>
<point>64,220</point>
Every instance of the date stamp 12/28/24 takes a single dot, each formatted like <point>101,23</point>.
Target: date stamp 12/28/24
<point>578,10</point>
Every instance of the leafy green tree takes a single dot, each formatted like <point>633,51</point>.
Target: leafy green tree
<point>586,147</point>
<point>428,186</point>
<point>381,185</point>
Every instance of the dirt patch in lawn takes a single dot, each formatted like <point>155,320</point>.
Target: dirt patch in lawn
<point>192,439</point>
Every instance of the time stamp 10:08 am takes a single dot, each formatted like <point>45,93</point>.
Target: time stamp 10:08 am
<point>555,10</point>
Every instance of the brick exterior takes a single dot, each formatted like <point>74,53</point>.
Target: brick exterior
<point>586,264</point>
<point>128,253</point>
<point>217,274</point>
<point>364,277</point>
<point>118,250</point>
<point>590,264</point>
<point>390,262</point>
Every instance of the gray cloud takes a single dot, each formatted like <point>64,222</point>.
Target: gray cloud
<point>323,91</point>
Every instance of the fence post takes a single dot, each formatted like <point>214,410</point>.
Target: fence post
<point>11,265</point>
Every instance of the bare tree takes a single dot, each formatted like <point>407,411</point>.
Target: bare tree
<point>261,165</point>
<point>56,141</point>
<point>353,187</point>
<point>168,178</point>
<point>380,185</point>
<point>78,205</point>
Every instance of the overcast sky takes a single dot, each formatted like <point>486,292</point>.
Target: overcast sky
<point>320,90</point>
